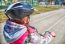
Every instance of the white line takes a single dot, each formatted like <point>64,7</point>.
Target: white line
<point>56,23</point>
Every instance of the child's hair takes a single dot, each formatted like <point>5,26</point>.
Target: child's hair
<point>19,10</point>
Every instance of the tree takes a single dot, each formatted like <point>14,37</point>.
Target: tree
<point>50,2</point>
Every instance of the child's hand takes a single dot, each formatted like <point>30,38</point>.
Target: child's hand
<point>53,34</point>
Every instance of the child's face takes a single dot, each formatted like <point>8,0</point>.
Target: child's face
<point>26,20</point>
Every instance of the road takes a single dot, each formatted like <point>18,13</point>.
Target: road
<point>53,21</point>
<point>49,21</point>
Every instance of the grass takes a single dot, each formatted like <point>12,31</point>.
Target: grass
<point>2,17</point>
<point>42,9</point>
<point>38,10</point>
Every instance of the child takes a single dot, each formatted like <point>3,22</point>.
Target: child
<point>17,29</point>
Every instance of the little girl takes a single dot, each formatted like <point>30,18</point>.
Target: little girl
<point>17,29</point>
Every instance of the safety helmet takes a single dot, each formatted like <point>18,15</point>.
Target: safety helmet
<point>19,10</point>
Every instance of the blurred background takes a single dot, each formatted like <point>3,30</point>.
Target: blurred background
<point>40,6</point>
<point>5,3</point>
<point>49,15</point>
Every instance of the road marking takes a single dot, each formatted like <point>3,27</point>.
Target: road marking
<point>46,15</point>
<point>56,23</point>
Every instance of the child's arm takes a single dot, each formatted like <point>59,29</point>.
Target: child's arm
<point>37,38</point>
<point>47,37</point>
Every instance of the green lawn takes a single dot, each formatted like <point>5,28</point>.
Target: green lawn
<point>42,9</point>
<point>38,10</point>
